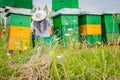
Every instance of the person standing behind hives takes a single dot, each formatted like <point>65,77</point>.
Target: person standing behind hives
<point>40,26</point>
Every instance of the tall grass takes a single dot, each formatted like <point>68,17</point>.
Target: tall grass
<point>98,63</point>
<point>53,62</point>
<point>10,63</point>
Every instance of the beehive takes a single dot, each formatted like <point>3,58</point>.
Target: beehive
<point>110,29</point>
<point>59,4</point>
<point>4,3</point>
<point>16,3</point>
<point>23,4</point>
<point>90,28</point>
<point>19,32</point>
<point>66,27</point>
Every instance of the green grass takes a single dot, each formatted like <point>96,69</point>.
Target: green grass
<point>74,62</point>
<point>98,63</point>
<point>9,63</point>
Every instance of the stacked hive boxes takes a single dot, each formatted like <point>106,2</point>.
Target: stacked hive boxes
<point>59,4</point>
<point>19,23</point>
<point>65,25</point>
<point>110,29</point>
<point>90,28</point>
<point>19,32</point>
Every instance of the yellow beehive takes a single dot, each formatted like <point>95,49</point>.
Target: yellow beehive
<point>90,29</point>
<point>19,38</point>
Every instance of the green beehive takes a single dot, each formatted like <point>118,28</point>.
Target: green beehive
<point>4,3</point>
<point>110,29</point>
<point>9,2</point>
<point>20,20</point>
<point>65,19</point>
<point>91,39</point>
<point>67,34</point>
<point>17,3</point>
<point>89,19</point>
<point>90,28</point>
<point>23,4</point>
<point>59,4</point>
<point>110,37</point>
<point>66,28</point>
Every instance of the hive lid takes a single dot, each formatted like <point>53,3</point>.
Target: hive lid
<point>15,10</point>
<point>71,11</point>
<point>74,11</point>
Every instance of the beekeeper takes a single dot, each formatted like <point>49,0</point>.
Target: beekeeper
<point>40,25</point>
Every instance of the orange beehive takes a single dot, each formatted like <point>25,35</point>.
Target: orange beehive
<point>19,38</point>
